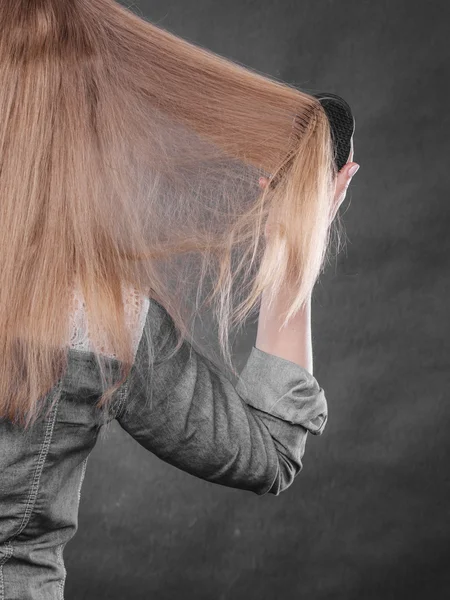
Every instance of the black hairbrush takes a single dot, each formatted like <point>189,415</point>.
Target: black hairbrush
<point>342,125</point>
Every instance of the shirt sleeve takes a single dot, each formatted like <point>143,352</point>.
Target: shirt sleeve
<point>185,411</point>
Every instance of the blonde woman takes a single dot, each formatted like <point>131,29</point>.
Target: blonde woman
<point>143,178</point>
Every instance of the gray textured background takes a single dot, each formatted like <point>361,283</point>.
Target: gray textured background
<point>368,518</point>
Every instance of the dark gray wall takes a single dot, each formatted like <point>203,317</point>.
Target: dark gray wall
<point>369,515</point>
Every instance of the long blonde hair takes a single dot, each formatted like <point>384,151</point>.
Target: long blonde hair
<point>130,156</point>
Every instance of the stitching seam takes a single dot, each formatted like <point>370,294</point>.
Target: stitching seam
<point>34,486</point>
<point>63,580</point>
<point>39,467</point>
<point>8,553</point>
<point>123,396</point>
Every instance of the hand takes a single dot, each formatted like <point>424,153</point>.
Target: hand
<point>343,180</point>
<point>342,183</point>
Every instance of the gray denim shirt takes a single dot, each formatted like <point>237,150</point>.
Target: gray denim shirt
<point>250,436</point>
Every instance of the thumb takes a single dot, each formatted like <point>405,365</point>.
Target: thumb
<point>343,181</point>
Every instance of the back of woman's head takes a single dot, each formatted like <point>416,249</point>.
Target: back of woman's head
<point>130,158</point>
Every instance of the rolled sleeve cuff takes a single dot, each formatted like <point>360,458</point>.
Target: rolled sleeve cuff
<point>284,389</point>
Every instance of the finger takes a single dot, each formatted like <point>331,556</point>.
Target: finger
<point>263,182</point>
<point>342,183</point>
<point>344,178</point>
<point>350,156</point>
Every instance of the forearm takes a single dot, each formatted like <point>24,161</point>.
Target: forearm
<point>293,342</point>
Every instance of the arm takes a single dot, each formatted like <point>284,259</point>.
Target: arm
<point>292,343</point>
<point>250,437</point>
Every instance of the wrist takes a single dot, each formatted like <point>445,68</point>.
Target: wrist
<point>293,342</point>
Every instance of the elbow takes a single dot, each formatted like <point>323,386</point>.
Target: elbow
<point>286,473</point>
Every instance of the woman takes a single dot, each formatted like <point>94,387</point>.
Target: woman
<point>135,175</point>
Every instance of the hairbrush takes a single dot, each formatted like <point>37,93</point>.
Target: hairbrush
<point>342,125</point>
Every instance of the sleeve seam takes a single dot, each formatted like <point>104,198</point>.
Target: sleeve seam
<point>123,393</point>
